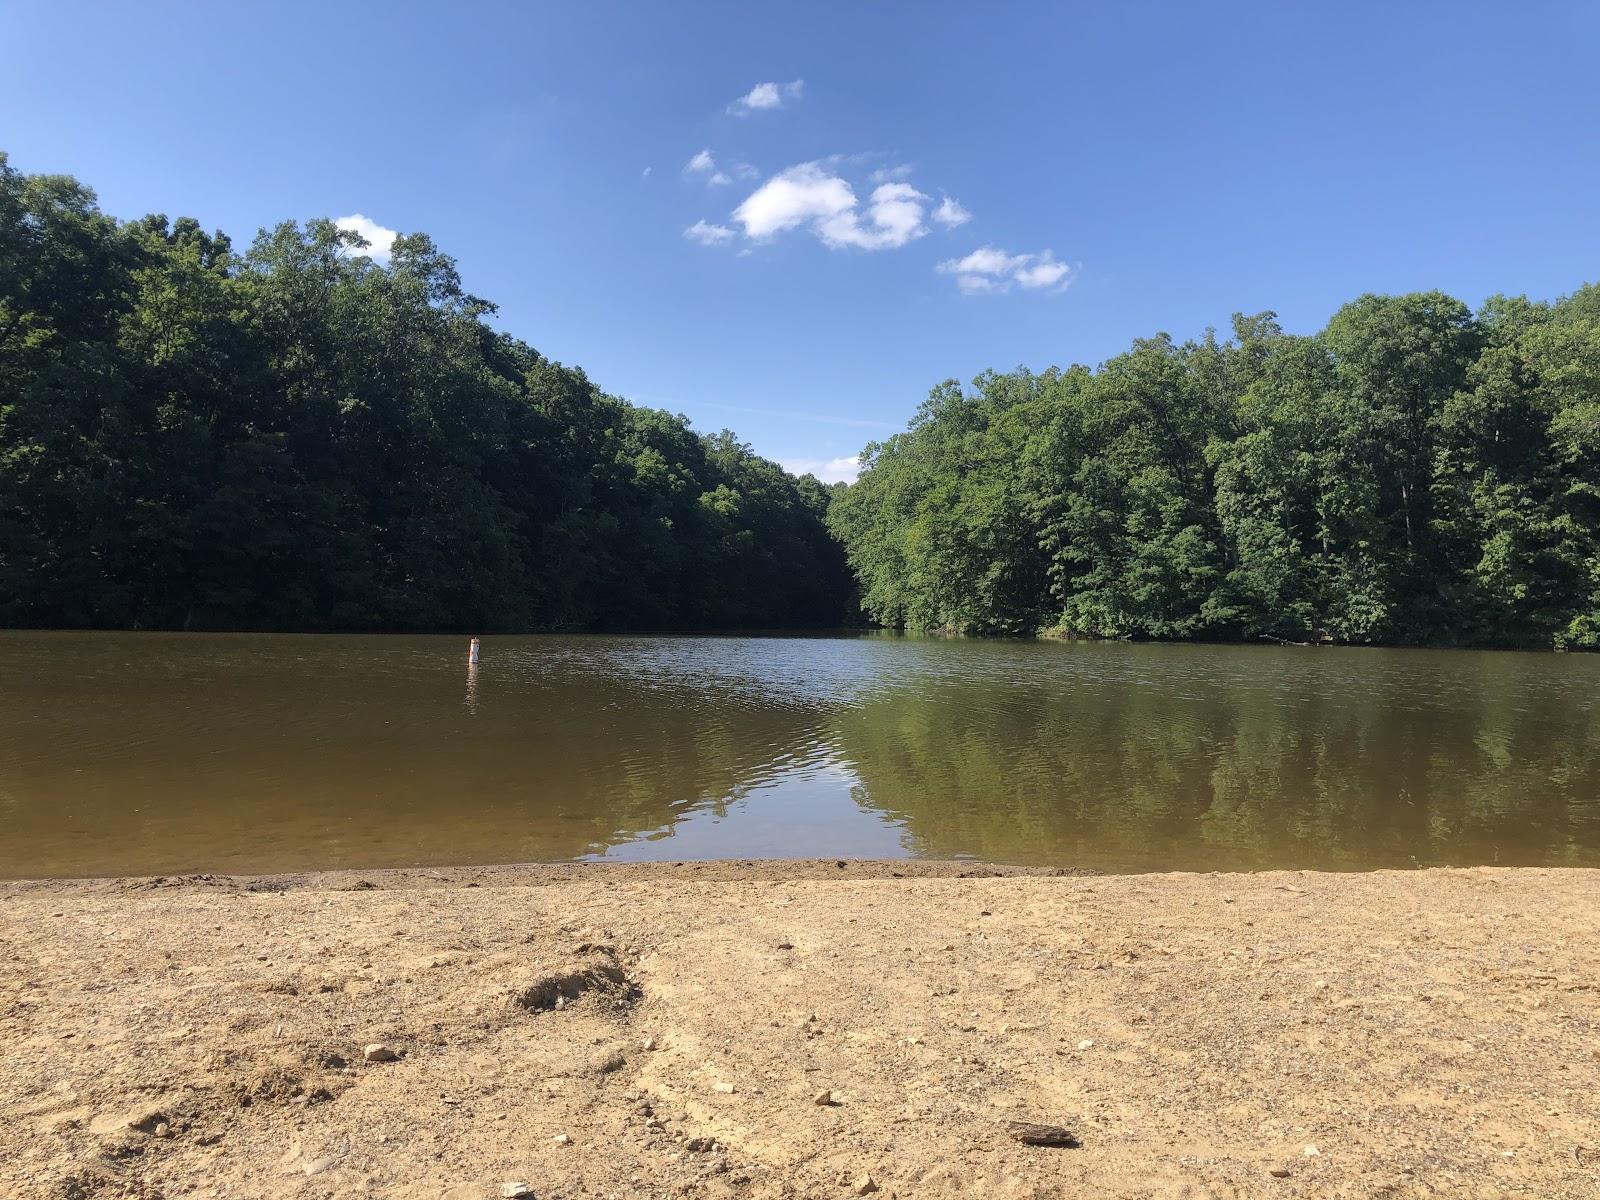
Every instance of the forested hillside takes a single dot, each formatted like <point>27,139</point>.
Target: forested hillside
<point>1415,473</point>
<point>297,437</point>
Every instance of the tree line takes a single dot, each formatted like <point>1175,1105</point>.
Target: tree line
<point>1415,473</point>
<point>301,437</point>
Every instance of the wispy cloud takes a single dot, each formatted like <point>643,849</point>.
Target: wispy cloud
<point>815,198</point>
<point>811,196</point>
<point>829,470</point>
<point>705,164</point>
<point>988,269</point>
<point>380,240</point>
<point>1044,272</point>
<point>766,96</point>
<point>986,260</point>
<point>708,234</point>
<point>950,213</point>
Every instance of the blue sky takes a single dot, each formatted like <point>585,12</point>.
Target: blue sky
<point>893,194</point>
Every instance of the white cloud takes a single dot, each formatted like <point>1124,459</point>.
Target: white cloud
<point>950,213</point>
<point>976,285</point>
<point>892,174</point>
<point>380,240</point>
<point>767,95</point>
<point>810,195</point>
<point>705,163</point>
<point>707,234</point>
<point>985,260</point>
<point>987,269</point>
<point>647,171</point>
<point>895,213</point>
<point>801,194</point>
<point>1046,272</point>
<point>829,470</point>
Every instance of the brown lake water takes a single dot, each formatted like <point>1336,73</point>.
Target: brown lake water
<point>165,753</point>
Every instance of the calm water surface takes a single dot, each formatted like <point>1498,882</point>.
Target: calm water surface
<point>157,753</point>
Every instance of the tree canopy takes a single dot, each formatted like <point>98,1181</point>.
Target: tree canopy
<point>1415,473</point>
<point>301,437</point>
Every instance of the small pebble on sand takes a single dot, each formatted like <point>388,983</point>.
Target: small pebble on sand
<point>727,1089</point>
<point>378,1052</point>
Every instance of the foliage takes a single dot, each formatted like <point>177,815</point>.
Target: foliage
<point>298,437</point>
<point>1413,474</point>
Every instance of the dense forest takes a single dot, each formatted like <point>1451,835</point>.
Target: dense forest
<point>1415,473</point>
<point>300,437</point>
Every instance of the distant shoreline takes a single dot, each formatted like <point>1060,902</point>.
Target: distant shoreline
<point>1044,634</point>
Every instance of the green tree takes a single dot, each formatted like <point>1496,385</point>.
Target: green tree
<point>1412,474</point>
<point>301,437</point>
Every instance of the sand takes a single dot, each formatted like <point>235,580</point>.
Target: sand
<point>668,1031</point>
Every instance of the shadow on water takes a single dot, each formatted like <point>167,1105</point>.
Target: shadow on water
<point>152,753</point>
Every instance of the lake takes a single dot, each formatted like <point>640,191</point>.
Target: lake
<point>153,753</point>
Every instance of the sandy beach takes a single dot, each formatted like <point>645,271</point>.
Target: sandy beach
<point>809,1029</point>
